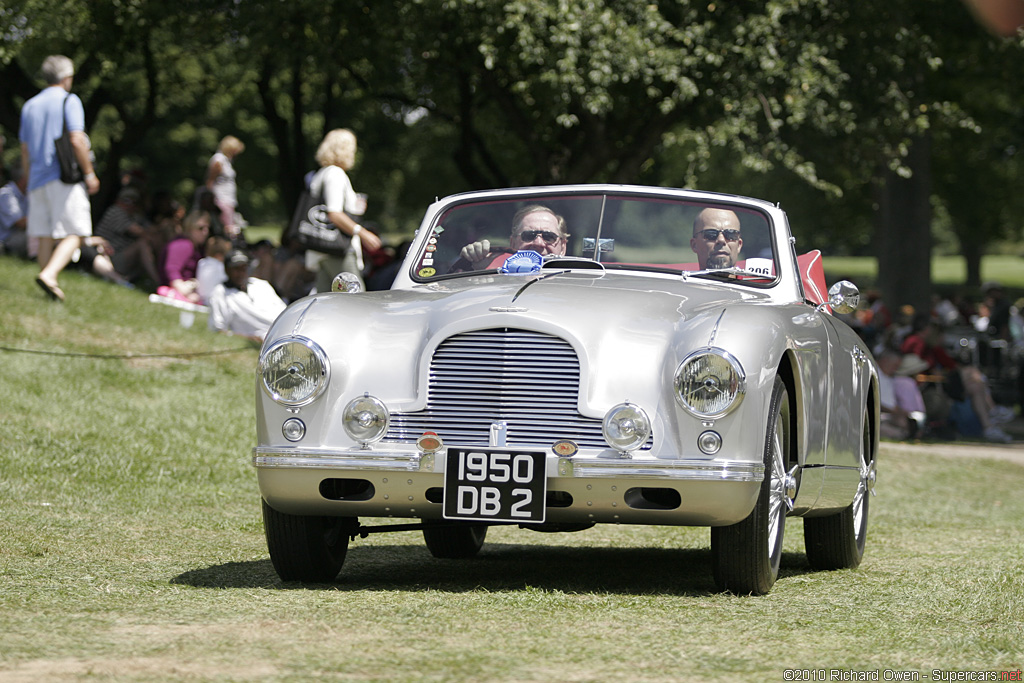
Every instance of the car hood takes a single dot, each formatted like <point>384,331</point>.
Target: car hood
<point>629,332</point>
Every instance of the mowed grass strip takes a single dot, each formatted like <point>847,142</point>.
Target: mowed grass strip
<point>131,548</point>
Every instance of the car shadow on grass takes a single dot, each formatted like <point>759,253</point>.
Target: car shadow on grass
<point>499,567</point>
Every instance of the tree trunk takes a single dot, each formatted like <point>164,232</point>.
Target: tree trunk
<point>903,233</point>
<point>972,257</point>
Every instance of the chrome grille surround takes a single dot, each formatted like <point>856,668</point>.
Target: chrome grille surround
<point>529,380</point>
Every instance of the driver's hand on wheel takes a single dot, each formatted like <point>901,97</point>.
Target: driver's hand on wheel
<point>476,251</point>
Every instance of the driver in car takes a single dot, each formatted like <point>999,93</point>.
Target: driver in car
<point>534,228</point>
<point>716,238</point>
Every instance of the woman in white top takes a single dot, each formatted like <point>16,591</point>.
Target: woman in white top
<point>220,179</point>
<point>336,155</point>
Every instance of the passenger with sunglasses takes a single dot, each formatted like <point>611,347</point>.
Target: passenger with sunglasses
<point>534,228</point>
<point>716,238</point>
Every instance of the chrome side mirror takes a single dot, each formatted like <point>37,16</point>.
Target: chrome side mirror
<point>346,283</point>
<point>843,297</point>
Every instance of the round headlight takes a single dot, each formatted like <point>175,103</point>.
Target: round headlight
<point>626,427</point>
<point>709,383</point>
<point>366,419</point>
<point>294,371</point>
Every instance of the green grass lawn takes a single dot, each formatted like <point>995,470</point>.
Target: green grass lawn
<point>131,548</point>
<point>947,271</point>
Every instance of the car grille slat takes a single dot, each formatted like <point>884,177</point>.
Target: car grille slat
<point>529,380</point>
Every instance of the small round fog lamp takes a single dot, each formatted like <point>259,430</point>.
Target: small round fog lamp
<point>709,442</point>
<point>366,419</point>
<point>626,427</point>
<point>293,429</point>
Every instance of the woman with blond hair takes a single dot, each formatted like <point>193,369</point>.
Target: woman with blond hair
<point>336,155</point>
<point>220,180</point>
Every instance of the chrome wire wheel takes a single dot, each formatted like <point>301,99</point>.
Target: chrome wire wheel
<point>865,487</point>
<point>746,556</point>
<point>860,500</point>
<point>779,501</point>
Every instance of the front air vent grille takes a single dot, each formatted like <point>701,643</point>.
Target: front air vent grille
<point>529,380</point>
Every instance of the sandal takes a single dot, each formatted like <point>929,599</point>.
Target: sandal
<point>54,292</point>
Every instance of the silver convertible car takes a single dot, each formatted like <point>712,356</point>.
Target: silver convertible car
<point>559,357</point>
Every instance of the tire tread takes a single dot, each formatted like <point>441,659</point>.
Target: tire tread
<point>299,546</point>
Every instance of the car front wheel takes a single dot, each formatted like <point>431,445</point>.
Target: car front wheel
<point>311,549</point>
<point>746,556</point>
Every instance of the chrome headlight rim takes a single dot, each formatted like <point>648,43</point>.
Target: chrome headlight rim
<point>640,421</point>
<point>737,370</point>
<point>377,419</point>
<point>321,380</point>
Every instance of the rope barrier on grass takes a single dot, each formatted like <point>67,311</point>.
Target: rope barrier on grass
<point>127,356</point>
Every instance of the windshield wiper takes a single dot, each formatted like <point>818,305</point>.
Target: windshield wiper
<point>731,271</point>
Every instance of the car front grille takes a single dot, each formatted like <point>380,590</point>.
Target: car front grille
<point>528,380</point>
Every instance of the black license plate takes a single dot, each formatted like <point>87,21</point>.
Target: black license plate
<point>495,485</point>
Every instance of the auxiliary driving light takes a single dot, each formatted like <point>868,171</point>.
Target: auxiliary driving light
<point>366,419</point>
<point>626,427</point>
<point>293,429</point>
<point>709,442</point>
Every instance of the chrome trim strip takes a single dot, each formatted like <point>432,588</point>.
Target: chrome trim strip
<point>302,316</point>
<point>714,330</point>
<point>354,460</point>
<point>687,470</point>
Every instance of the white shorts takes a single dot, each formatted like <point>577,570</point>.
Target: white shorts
<point>58,210</point>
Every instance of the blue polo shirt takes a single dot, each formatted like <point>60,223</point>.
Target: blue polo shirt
<point>42,122</point>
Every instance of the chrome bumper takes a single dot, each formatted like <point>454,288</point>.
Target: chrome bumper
<point>577,467</point>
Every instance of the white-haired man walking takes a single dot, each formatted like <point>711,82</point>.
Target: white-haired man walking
<point>58,213</point>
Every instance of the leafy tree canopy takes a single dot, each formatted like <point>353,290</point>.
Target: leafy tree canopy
<point>813,102</point>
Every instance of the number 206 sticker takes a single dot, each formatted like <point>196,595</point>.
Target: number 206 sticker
<point>495,486</point>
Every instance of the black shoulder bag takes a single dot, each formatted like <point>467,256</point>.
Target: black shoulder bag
<point>70,173</point>
<point>311,229</point>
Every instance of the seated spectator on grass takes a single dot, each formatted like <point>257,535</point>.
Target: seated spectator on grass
<point>166,217</point>
<point>946,310</point>
<point>243,305</point>
<point>180,258</point>
<point>210,269</point>
<point>902,405</point>
<point>204,202</point>
<point>94,257</point>
<point>127,245</point>
<point>973,412</point>
<point>292,280</point>
<point>14,214</point>
<point>264,263</point>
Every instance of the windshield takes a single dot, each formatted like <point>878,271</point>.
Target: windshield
<point>620,232</point>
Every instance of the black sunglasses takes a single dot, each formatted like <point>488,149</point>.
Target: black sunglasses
<point>712,235</point>
<point>548,236</point>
